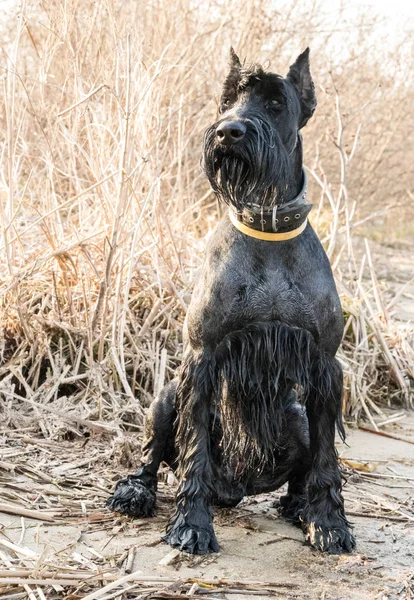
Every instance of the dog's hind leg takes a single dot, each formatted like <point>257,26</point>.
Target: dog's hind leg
<point>297,460</point>
<point>135,495</point>
<point>191,527</point>
<point>291,464</point>
<point>324,519</point>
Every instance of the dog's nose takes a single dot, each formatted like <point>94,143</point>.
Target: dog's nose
<point>230,132</point>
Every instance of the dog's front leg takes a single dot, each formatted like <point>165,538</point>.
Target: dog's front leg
<point>324,518</point>
<point>135,495</point>
<point>191,527</point>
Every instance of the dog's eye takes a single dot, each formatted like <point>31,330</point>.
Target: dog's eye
<point>275,104</point>
<point>224,105</point>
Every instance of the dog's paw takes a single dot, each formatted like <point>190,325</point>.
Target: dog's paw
<point>334,540</point>
<point>132,497</point>
<point>291,507</point>
<point>191,538</point>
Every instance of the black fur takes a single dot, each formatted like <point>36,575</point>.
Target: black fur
<point>258,396</point>
<point>257,368</point>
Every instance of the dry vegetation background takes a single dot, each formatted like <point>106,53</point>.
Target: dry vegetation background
<point>104,211</point>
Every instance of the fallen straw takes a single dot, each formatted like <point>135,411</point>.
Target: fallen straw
<point>24,576</point>
<point>95,426</point>
<point>20,581</point>
<point>18,549</point>
<point>138,578</point>
<point>32,573</point>
<point>387,435</point>
<point>12,509</point>
<point>130,560</point>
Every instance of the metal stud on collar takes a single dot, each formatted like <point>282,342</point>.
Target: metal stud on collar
<point>274,220</point>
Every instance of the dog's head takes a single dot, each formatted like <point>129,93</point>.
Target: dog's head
<point>251,153</point>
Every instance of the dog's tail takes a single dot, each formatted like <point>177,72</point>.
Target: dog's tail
<point>257,367</point>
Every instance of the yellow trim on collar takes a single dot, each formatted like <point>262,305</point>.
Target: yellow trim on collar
<point>266,235</point>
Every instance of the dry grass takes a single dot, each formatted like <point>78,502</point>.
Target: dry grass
<point>105,213</point>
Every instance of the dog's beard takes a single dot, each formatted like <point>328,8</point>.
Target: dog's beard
<point>255,170</point>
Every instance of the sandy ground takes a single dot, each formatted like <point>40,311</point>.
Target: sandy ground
<point>255,543</point>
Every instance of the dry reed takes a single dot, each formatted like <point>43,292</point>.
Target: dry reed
<point>105,212</point>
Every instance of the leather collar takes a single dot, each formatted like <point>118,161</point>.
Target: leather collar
<point>280,219</point>
<point>267,236</point>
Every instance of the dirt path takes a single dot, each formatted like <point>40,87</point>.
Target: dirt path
<point>256,543</point>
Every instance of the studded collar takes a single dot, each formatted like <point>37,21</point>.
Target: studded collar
<point>280,219</point>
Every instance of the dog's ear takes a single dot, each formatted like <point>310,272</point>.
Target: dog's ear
<point>229,93</point>
<point>301,79</point>
<point>234,59</point>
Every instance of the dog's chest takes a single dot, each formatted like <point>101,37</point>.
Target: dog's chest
<point>243,283</point>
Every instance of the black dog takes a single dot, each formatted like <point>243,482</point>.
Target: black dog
<point>264,325</point>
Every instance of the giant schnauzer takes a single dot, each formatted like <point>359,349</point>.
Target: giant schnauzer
<point>258,396</point>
